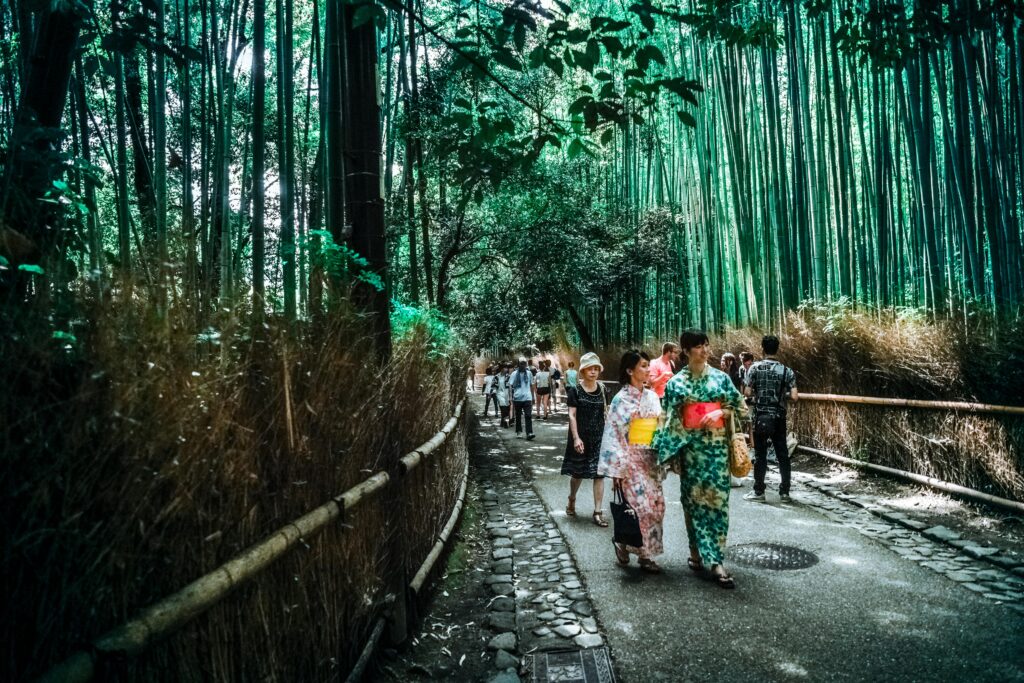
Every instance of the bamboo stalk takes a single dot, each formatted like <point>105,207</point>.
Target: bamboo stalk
<point>442,539</point>
<point>359,669</point>
<point>956,489</point>
<point>174,611</point>
<point>913,403</point>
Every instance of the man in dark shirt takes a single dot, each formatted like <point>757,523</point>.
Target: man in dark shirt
<point>771,384</point>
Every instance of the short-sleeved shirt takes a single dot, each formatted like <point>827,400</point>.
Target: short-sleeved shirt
<point>771,383</point>
<point>570,377</point>
<point>661,373</point>
<point>543,379</point>
<point>521,383</point>
<point>488,383</point>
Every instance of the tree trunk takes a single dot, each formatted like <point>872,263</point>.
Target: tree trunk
<point>362,150</point>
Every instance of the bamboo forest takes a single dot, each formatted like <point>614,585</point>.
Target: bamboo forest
<point>250,251</point>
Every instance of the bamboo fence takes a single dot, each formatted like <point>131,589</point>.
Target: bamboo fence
<point>955,406</point>
<point>166,616</point>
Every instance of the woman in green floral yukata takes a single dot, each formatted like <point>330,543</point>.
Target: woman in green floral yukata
<point>697,403</point>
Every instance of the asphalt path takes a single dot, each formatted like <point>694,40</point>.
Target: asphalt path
<point>862,613</point>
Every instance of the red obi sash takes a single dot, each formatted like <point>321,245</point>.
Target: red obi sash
<point>693,413</point>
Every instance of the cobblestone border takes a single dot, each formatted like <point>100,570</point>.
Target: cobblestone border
<point>937,548</point>
<point>538,599</point>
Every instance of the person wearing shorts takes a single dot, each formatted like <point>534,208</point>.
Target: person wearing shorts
<point>543,381</point>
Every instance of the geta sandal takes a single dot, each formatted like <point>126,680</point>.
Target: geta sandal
<point>570,509</point>
<point>621,554</point>
<point>694,565</point>
<point>725,581</point>
<point>650,566</point>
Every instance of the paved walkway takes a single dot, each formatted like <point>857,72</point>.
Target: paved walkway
<point>883,602</point>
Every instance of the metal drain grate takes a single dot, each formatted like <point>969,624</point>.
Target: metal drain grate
<point>592,665</point>
<point>772,556</point>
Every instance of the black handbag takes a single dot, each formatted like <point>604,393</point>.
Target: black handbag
<point>626,524</point>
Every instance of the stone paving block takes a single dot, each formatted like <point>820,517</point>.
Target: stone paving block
<point>567,630</point>
<point>503,641</point>
<point>502,621</point>
<point>586,640</point>
<point>498,578</point>
<point>503,660</point>
<point>1005,561</point>
<point>507,676</point>
<point>503,604</point>
<point>941,533</point>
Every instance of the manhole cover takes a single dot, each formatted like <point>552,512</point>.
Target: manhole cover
<point>592,665</point>
<point>772,556</point>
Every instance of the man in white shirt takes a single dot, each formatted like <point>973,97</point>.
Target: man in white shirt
<point>521,382</point>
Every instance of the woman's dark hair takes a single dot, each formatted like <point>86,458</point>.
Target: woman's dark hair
<point>691,338</point>
<point>630,359</point>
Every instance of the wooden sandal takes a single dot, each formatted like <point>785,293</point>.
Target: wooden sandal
<point>694,565</point>
<point>650,566</point>
<point>621,554</point>
<point>725,581</point>
<point>570,509</point>
<point>599,518</point>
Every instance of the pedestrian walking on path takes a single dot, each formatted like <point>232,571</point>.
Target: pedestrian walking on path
<point>697,403</point>
<point>661,368</point>
<point>491,389</point>
<point>771,384</point>
<point>521,382</point>
<point>556,381</point>
<point>504,393</point>
<point>571,375</point>
<point>588,404</point>
<point>543,381</point>
<point>631,463</point>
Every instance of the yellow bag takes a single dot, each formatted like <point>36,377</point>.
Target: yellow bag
<point>641,430</point>
<point>739,453</point>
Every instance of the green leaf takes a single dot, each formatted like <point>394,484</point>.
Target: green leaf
<point>537,56</point>
<point>612,44</point>
<point>577,106</point>
<point>4,262</point>
<point>607,135</point>
<point>687,118</point>
<point>507,59</point>
<point>519,36</point>
<point>575,148</point>
<point>33,269</point>
<point>556,65</point>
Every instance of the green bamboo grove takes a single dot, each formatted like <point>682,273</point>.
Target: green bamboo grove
<point>726,161</point>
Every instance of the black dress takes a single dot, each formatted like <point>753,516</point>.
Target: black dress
<point>590,412</point>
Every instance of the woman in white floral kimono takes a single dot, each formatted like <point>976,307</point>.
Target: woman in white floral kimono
<point>634,467</point>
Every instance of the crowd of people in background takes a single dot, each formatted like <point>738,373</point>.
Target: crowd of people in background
<point>673,413</point>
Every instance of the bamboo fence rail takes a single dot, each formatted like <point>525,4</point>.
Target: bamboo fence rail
<point>171,613</point>
<point>956,489</point>
<point>913,403</point>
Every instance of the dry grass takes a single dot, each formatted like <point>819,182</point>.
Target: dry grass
<point>836,350</point>
<point>145,459</point>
